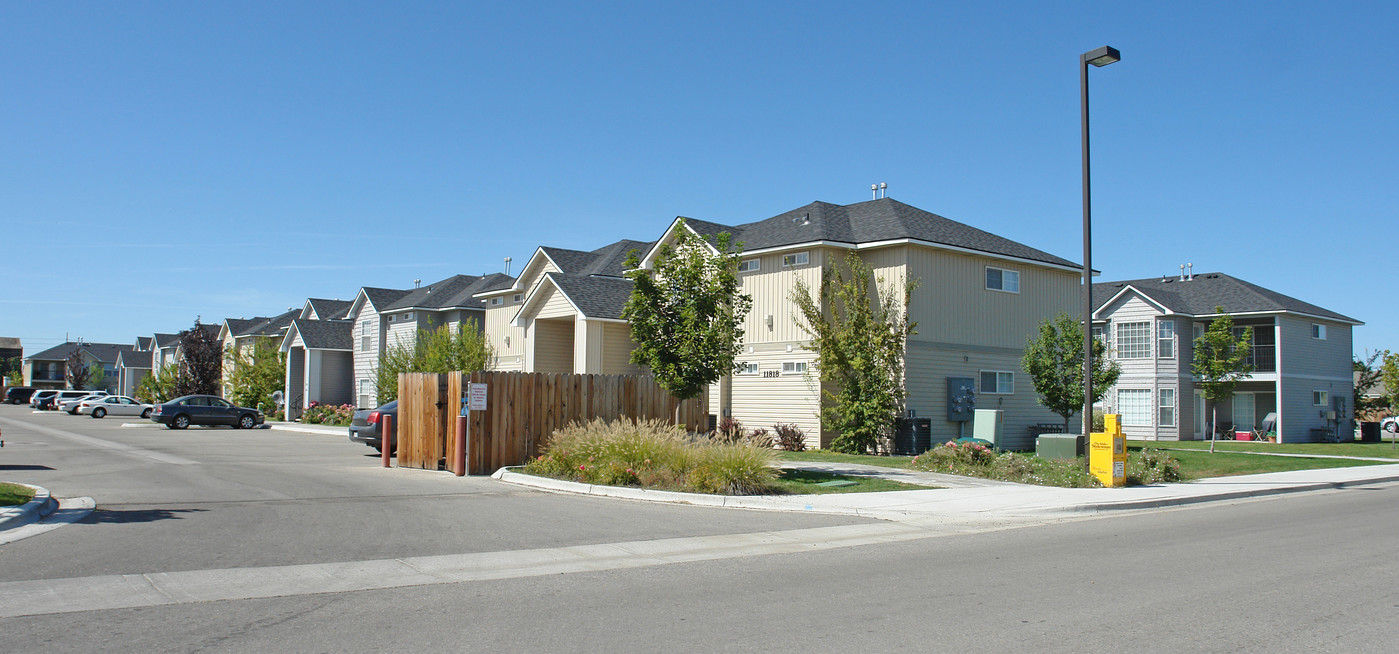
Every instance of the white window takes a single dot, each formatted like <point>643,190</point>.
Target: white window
<point>747,368</point>
<point>1166,407</point>
<point>754,265</point>
<point>1000,279</point>
<point>1099,333</point>
<point>1134,340</point>
<point>1166,339</point>
<point>1321,398</point>
<point>497,301</point>
<point>1199,330</point>
<point>518,297</point>
<point>1135,406</point>
<point>796,259</point>
<point>365,340</point>
<point>793,367</point>
<point>364,389</point>
<point>1319,332</point>
<point>998,382</point>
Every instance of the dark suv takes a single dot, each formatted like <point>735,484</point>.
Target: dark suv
<point>19,394</point>
<point>182,412</point>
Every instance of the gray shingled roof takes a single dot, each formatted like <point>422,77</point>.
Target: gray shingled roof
<point>383,297</point>
<point>452,293</point>
<point>271,326</point>
<point>606,260</point>
<point>144,342</point>
<point>166,340</point>
<point>596,297</point>
<point>237,326</point>
<point>325,334</point>
<point>329,309</point>
<point>869,222</point>
<point>135,358</point>
<point>104,352</point>
<point>1199,296</point>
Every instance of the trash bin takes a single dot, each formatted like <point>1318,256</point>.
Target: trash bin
<point>1369,432</point>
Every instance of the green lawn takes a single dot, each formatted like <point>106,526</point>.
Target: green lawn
<point>827,456</point>
<point>14,494</point>
<point>807,482</point>
<point>1386,449</point>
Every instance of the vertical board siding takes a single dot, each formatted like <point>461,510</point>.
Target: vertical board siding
<point>926,375</point>
<point>511,355</point>
<point>771,289</point>
<point>952,304</point>
<point>337,382</point>
<point>522,410</point>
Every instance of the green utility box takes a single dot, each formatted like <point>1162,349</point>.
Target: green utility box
<point>1059,446</point>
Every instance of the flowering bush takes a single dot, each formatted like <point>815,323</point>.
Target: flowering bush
<point>1152,466</point>
<point>977,460</point>
<point>328,414</point>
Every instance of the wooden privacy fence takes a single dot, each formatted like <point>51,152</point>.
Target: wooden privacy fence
<point>522,410</point>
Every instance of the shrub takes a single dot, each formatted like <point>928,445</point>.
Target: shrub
<point>790,437</point>
<point>328,414</point>
<point>759,438</point>
<point>1152,466</point>
<point>977,460</point>
<point>653,454</point>
<point>729,431</point>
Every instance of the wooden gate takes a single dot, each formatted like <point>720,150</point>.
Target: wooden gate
<point>522,410</point>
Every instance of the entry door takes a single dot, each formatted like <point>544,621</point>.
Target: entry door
<point>1200,416</point>
<point>1244,418</point>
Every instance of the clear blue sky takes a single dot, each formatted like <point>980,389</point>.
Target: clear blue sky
<point>160,161</point>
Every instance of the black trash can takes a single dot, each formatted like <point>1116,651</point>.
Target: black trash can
<point>1369,432</point>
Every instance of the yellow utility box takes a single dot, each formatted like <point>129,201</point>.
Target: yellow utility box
<point>1107,453</point>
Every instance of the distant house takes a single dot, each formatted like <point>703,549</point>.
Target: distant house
<point>48,369</point>
<point>239,335</point>
<point>1302,361</point>
<point>133,366</point>
<point>320,364</point>
<point>163,348</point>
<point>11,356</point>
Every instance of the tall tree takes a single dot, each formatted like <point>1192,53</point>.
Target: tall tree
<point>439,350</point>
<point>686,313</point>
<point>1368,376</point>
<point>201,362</point>
<point>1054,360</point>
<point>859,339</point>
<point>76,370</point>
<point>255,374</point>
<point>1389,372</point>
<point>1221,361</point>
<point>158,387</point>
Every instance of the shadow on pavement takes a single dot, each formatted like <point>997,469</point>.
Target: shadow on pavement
<point>132,516</point>
<point>24,467</point>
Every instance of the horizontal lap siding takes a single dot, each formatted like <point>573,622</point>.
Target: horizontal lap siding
<point>508,355</point>
<point>1305,365</point>
<point>366,362</point>
<point>553,346</point>
<point>761,402</point>
<point>617,347</point>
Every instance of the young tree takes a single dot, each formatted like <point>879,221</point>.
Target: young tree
<point>254,375</point>
<point>440,350</point>
<point>1054,361</point>
<point>1221,360</point>
<point>201,362</point>
<point>77,372</point>
<point>1389,372</point>
<point>159,386</point>
<point>686,314</point>
<point>1370,372</point>
<point>859,340</point>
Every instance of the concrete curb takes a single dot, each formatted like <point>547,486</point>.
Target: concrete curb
<point>1223,496</point>
<point>309,429</point>
<point>34,510</point>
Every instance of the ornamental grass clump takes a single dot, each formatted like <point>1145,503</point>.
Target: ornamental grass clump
<point>653,454</point>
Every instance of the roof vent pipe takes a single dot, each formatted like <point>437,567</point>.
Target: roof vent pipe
<point>507,266</point>
<point>883,190</point>
<point>1190,273</point>
<point>1182,272</point>
<point>417,283</point>
<point>874,191</point>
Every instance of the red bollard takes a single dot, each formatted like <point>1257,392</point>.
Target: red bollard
<point>385,428</point>
<point>460,461</point>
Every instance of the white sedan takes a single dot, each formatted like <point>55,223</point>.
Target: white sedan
<point>71,406</point>
<point>116,405</point>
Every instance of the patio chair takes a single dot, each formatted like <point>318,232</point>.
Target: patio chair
<point>1270,422</point>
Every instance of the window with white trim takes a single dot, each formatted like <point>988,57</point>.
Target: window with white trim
<point>364,389</point>
<point>497,301</point>
<point>1135,406</point>
<point>1321,398</point>
<point>365,340</point>
<point>1166,407</point>
<point>753,265</point>
<point>1000,279</point>
<point>518,297</point>
<point>796,259</point>
<point>997,382</point>
<point>1134,340</point>
<point>1166,339</point>
<point>1100,333</point>
<point>1318,331</point>
<point>748,368</point>
<point>793,367</point>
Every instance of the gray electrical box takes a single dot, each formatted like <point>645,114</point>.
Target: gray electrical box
<point>961,398</point>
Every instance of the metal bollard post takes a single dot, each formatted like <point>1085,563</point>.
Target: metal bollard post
<point>385,428</point>
<point>460,459</point>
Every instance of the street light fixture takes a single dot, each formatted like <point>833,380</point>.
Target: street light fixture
<point>1098,58</point>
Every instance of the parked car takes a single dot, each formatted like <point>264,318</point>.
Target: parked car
<point>182,412</point>
<point>19,394</point>
<point>54,401</point>
<point>1390,424</point>
<point>116,405</point>
<point>71,405</point>
<point>38,399</point>
<point>366,426</point>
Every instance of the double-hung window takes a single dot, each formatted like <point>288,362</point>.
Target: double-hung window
<point>365,340</point>
<point>1166,339</point>
<point>1134,340</point>
<point>1166,407</point>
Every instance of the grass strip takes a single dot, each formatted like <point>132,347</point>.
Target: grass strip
<point>14,494</point>
<point>806,482</point>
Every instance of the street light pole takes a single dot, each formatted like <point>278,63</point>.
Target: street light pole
<point>1099,58</point>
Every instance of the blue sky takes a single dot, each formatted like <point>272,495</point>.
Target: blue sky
<point>166,160</point>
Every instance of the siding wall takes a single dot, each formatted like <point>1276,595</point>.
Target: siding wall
<point>508,355</point>
<point>337,383</point>
<point>929,365</point>
<point>952,304</point>
<point>1306,365</point>
<point>1153,373</point>
<point>553,345</point>
<point>771,288</point>
<point>760,401</point>
<point>366,362</point>
<point>617,347</point>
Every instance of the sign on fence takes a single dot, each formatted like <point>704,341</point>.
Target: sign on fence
<point>477,395</point>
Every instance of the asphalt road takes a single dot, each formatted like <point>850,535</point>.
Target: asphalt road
<point>540,572</point>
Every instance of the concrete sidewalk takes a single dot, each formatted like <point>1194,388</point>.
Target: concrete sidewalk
<point>961,499</point>
<point>34,510</point>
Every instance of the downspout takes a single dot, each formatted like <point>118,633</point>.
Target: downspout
<point>1277,375</point>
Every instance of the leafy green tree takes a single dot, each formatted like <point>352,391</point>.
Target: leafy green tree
<point>439,350</point>
<point>14,378</point>
<point>255,374</point>
<point>201,362</point>
<point>1054,360</point>
<point>12,370</point>
<point>1389,372</point>
<point>159,386</point>
<point>686,313</point>
<point>1368,377</point>
<point>1221,361</point>
<point>859,339</point>
<point>76,370</point>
